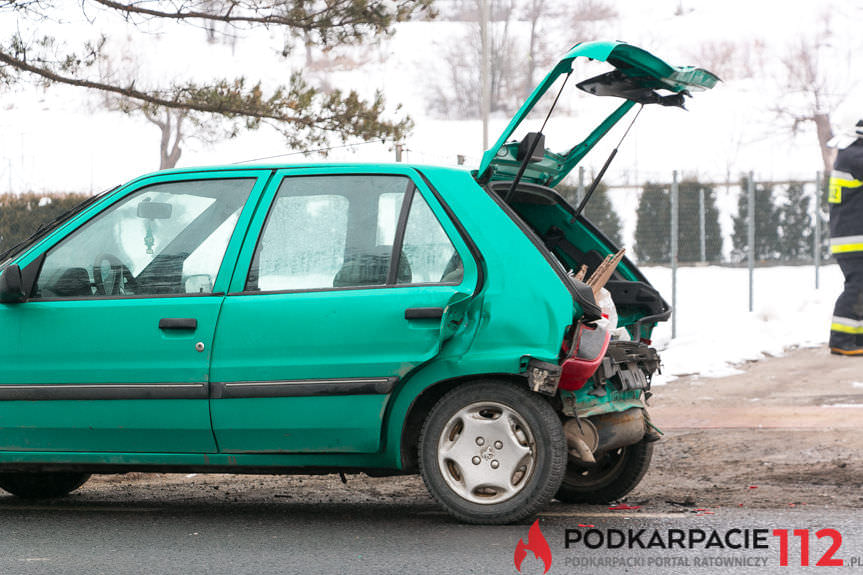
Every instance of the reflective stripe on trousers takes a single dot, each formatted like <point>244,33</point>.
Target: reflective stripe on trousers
<point>846,325</point>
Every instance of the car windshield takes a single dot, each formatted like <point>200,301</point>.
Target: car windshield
<point>10,254</point>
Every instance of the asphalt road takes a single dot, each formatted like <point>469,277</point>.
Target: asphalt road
<point>290,537</point>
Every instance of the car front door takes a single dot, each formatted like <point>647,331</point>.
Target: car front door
<point>339,293</point>
<point>111,351</point>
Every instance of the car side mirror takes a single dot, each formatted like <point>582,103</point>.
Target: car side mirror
<point>12,286</point>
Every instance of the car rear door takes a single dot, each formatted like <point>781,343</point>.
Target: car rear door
<point>111,352</point>
<point>339,292</point>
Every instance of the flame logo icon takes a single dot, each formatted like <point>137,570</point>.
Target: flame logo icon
<point>535,542</point>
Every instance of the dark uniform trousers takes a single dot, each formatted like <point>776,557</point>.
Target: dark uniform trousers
<point>846,245</point>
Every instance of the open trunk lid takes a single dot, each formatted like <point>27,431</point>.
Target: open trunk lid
<point>637,76</point>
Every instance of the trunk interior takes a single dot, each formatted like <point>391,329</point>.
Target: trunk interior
<point>575,242</point>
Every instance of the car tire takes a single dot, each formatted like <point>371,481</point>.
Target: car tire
<point>492,452</point>
<point>42,485</point>
<point>614,475</point>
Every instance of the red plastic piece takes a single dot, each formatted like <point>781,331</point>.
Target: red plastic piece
<point>575,371</point>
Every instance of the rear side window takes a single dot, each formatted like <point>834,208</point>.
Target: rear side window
<point>427,249</point>
<point>329,232</point>
<point>303,244</point>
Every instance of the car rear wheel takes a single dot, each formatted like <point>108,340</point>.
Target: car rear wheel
<point>42,485</point>
<point>492,452</point>
<point>614,474</point>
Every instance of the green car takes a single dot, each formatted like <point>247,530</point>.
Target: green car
<point>386,319</point>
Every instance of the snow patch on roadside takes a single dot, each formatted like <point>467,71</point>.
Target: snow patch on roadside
<point>716,332</point>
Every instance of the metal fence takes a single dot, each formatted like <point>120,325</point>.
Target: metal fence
<point>744,221</point>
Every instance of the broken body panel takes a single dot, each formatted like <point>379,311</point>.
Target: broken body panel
<point>620,372</point>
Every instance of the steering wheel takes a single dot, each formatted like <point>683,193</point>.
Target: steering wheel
<point>119,272</point>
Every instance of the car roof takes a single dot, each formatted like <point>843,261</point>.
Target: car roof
<point>362,166</point>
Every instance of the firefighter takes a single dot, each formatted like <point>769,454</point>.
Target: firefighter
<point>846,244</point>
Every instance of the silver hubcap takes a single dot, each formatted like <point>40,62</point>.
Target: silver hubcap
<point>486,453</point>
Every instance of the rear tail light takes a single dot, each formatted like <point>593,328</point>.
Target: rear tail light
<point>589,347</point>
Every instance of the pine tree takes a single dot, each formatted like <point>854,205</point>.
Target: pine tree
<point>767,223</point>
<point>796,222</point>
<point>599,210</point>
<point>652,230</point>
<point>689,230</point>
<point>22,214</point>
<point>602,214</point>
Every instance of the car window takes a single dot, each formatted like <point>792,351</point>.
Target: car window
<point>328,232</point>
<point>167,238</point>
<point>47,227</point>
<point>427,249</point>
<point>389,208</point>
<point>303,244</point>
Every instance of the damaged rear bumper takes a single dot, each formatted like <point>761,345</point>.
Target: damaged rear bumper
<point>611,366</point>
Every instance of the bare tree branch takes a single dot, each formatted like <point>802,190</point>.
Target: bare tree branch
<point>811,86</point>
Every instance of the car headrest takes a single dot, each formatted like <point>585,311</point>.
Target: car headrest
<point>74,282</point>
<point>369,268</point>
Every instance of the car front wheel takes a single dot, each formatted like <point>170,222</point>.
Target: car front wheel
<point>492,452</point>
<point>42,485</point>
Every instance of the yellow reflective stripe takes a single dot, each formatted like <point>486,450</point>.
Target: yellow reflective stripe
<point>845,182</point>
<point>834,192</point>
<point>845,244</point>
<point>846,328</point>
<point>834,195</point>
<point>846,248</point>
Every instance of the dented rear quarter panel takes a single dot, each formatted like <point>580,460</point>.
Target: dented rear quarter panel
<point>522,309</point>
<point>526,306</point>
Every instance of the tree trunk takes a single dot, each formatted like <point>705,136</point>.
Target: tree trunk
<point>535,14</point>
<point>172,136</point>
<point>825,133</point>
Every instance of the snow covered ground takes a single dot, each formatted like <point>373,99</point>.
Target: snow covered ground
<point>715,330</point>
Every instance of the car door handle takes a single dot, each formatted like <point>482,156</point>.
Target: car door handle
<point>178,323</point>
<point>424,313</point>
